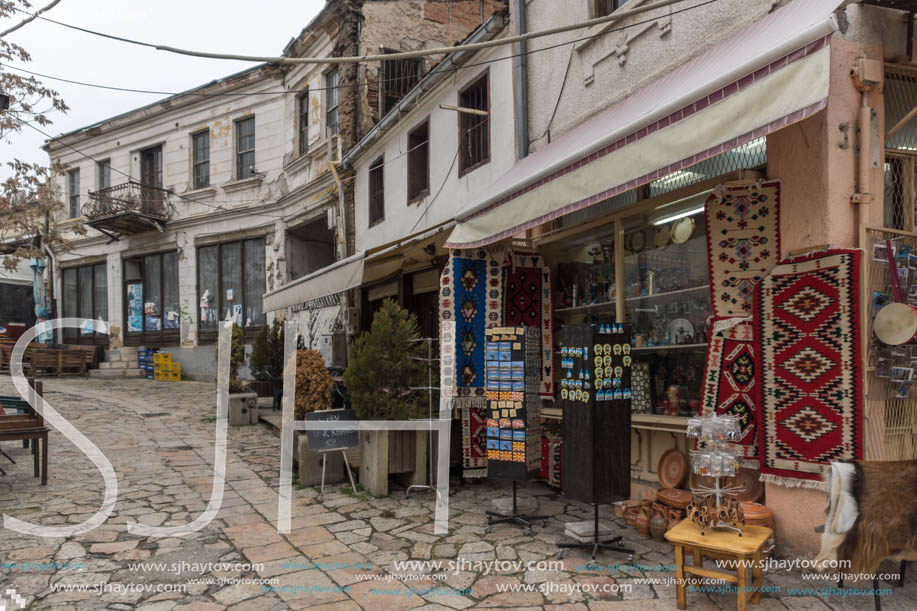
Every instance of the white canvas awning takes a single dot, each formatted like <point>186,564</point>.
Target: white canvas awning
<point>22,274</point>
<point>770,75</point>
<point>340,276</point>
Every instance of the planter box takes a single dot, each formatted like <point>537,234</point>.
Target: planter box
<point>243,408</point>
<point>384,453</point>
<point>310,465</point>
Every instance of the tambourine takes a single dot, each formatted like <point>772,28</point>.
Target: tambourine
<point>895,324</point>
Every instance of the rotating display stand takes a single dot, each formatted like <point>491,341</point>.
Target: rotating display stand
<point>596,393</point>
<point>512,364</point>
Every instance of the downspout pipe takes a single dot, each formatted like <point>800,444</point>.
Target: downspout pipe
<point>520,78</point>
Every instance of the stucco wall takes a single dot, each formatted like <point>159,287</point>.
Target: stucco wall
<point>818,166</point>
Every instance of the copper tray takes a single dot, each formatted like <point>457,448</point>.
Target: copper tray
<point>672,469</point>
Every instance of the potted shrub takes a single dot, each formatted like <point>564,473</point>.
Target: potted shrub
<point>314,388</point>
<point>383,366</point>
<point>243,403</point>
<point>266,362</point>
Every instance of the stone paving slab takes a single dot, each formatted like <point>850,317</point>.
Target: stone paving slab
<point>159,438</point>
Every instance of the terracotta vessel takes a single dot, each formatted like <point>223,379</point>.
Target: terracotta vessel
<point>675,518</point>
<point>658,522</point>
<point>642,522</point>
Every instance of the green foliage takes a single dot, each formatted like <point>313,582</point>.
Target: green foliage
<point>236,358</point>
<point>383,367</point>
<point>266,358</point>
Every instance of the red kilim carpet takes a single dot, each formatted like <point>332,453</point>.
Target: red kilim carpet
<point>527,302</point>
<point>730,383</point>
<point>807,323</point>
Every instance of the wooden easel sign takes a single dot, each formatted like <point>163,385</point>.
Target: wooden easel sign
<point>325,442</point>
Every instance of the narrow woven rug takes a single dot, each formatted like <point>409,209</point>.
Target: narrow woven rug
<point>527,302</point>
<point>471,295</point>
<point>474,437</point>
<point>730,384</point>
<point>743,243</point>
<point>807,323</point>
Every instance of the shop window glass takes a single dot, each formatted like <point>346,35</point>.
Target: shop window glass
<point>100,292</point>
<point>208,285</point>
<point>170,301</point>
<point>254,282</point>
<point>667,299</point>
<point>152,293</point>
<point>231,279</point>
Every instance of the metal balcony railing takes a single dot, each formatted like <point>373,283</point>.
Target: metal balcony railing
<point>128,208</point>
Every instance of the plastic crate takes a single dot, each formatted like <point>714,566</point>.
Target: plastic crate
<point>162,357</point>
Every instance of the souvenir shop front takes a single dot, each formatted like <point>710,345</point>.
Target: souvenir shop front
<point>701,213</point>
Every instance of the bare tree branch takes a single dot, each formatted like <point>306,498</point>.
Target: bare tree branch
<point>31,18</point>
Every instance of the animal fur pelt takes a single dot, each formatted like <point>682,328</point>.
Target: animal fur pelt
<point>871,514</point>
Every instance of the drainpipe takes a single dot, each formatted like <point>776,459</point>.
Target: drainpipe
<point>520,78</point>
<point>867,76</point>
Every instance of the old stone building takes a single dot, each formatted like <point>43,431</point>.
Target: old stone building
<point>200,203</point>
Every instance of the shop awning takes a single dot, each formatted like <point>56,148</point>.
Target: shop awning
<point>357,270</point>
<point>770,75</point>
<point>335,278</point>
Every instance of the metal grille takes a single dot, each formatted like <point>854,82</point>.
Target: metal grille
<point>377,191</point>
<point>899,192</point>
<point>890,421</point>
<point>746,157</point>
<point>900,107</point>
<point>475,136</point>
<point>398,77</point>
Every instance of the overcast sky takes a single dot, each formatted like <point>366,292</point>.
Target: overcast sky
<point>234,26</point>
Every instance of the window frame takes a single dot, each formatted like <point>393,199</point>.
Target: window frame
<point>302,117</point>
<point>239,153</point>
<point>209,336</point>
<point>73,197</point>
<point>145,337</point>
<point>385,69</point>
<point>604,8</point>
<point>332,95</point>
<point>465,169</point>
<point>196,163</point>
<point>415,197</point>
<point>104,173</point>
<point>73,335</point>
<point>377,206</point>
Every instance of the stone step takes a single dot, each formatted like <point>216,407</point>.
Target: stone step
<point>116,373</point>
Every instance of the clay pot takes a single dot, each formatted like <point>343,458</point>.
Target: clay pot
<point>658,522</point>
<point>675,518</point>
<point>642,522</point>
<point>756,514</point>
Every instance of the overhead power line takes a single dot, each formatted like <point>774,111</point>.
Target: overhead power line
<point>358,83</point>
<point>615,16</point>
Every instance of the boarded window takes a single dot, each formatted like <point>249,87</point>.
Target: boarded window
<point>303,105</point>
<point>419,162</point>
<point>200,159</point>
<point>377,191</point>
<point>474,129</point>
<point>73,178</point>
<point>398,77</point>
<point>245,148</point>
<point>331,98</point>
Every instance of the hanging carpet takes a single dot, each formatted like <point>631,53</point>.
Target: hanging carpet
<point>527,302</point>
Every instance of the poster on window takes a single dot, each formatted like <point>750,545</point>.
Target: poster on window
<point>135,307</point>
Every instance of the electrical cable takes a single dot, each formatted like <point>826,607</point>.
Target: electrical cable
<point>29,19</point>
<point>614,16</point>
<point>359,83</point>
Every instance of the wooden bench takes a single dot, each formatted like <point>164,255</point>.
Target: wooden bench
<point>37,359</point>
<point>21,422</point>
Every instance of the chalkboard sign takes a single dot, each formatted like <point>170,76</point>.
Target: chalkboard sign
<point>322,441</point>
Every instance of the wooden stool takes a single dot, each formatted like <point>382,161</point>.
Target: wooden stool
<point>722,544</point>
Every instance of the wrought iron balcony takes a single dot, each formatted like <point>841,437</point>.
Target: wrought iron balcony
<point>127,209</point>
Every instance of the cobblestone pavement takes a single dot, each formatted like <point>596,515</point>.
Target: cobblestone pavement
<point>159,438</point>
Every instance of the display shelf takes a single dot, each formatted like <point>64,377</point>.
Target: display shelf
<point>669,293</point>
<point>554,413</point>
<point>669,347</point>
<point>611,304</point>
<point>656,422</point>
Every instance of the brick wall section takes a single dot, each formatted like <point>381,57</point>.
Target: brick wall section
<point>465,13</point>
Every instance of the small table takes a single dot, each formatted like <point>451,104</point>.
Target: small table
<point>720,544</point>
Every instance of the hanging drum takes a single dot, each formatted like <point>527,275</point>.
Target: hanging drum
<point>896,323</point>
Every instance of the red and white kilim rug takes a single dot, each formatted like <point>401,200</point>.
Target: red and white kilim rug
<point>730,384</point>
<point>807,327</point>
<point>743,243</point>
